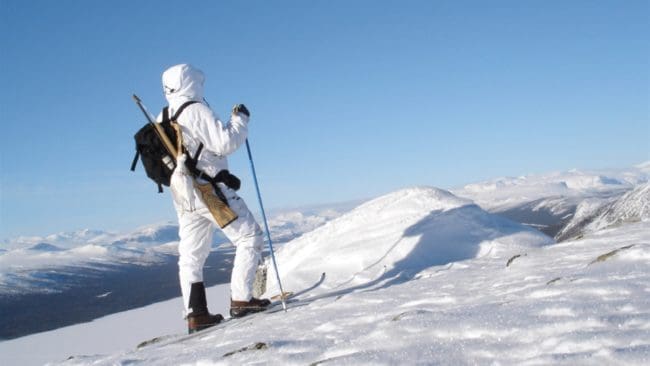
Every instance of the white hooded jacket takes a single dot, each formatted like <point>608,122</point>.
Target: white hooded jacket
<point>182,83</point>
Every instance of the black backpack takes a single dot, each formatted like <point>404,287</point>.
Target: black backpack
<point>158,162</point>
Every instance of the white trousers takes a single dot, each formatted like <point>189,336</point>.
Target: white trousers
<point>196,229</point>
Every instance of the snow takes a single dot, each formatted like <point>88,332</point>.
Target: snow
<point>288,224</point>
<point>555,203</point>
<point>398,235</point>
<point>586,210</point>
<point>20,268</point>
<point>396,294</point>
<point>633,206</point>
<point>594,214</point>
<point>419,276</point>
<point>104,335</point>
<point>553,304</point>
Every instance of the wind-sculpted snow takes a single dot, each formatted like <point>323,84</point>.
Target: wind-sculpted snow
<point>392,238</point>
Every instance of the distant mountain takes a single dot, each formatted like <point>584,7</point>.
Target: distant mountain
<point>585,212</point>
<point>54,262</point>
<point>558,202</point>
<point>154,235</point>
<point>45,247</point>
<point>594,215</point>
<point>632,207</point>
<point>63,240</point>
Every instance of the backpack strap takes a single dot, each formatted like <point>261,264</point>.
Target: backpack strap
<point>191,162</point>
<point>176,126</point>
<point>179,111</point>
<point>165,111</point>
<point>179,137</point>
<point>135,160</point>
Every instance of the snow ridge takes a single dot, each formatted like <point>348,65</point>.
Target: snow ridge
<point>394,237</point>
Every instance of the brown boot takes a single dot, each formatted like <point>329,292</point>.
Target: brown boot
<point>242,308</point>
<point>200,318</point>
<point>196,323</point>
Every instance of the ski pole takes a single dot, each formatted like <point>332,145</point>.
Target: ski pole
<point>266,225</point>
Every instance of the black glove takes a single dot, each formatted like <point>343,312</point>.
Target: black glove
<point>240,108</point>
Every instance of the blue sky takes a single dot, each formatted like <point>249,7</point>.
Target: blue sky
<point>349,99</point>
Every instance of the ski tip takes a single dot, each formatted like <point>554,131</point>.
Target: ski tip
<point>135,97</point>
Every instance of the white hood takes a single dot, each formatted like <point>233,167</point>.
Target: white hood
<point>182,83</point>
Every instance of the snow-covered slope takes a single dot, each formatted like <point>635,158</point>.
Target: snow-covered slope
<point>595,214</point>
<point>578,302</point>
<point>395,236</point>
<point>585,212</point>
<point>633,206</point>
<point>112,333</point>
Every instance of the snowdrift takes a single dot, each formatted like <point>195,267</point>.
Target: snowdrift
<point>390,239</point>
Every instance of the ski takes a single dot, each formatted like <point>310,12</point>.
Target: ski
<point>292,300</point>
